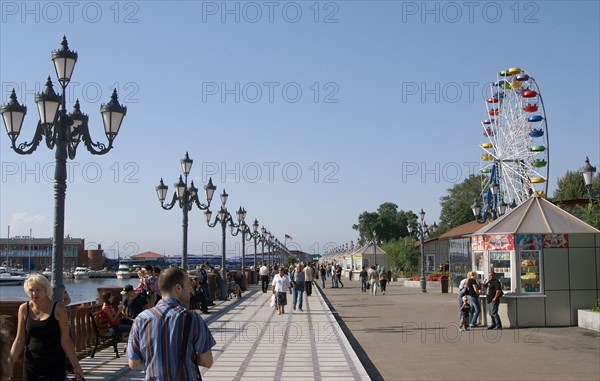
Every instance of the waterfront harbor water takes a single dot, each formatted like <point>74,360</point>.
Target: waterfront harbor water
<point>79,289</point>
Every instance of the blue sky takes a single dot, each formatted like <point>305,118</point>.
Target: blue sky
<point>307,113</point>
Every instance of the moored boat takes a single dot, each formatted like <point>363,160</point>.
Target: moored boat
<point>11,277</point>
<point>81,273</point>
<point>123,271</point>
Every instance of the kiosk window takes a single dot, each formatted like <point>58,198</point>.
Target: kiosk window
<point>530,270</point>
<point>500,264</point>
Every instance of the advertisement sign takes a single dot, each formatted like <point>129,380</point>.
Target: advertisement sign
<point>529,241</point>
<point>500,242</point>
<point>556,240</point>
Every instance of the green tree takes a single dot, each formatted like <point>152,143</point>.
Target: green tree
<point>570,187</point>
<point>388,225</point>
<point>291,259</point>
<point>403,256</point>
<point>387,222</point>
<point>367,223</point>
<point>456,205</point>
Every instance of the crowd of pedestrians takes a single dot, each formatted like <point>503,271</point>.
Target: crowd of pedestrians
<point>162,306</point>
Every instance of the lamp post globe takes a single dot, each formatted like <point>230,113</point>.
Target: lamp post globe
<point>588,175</point>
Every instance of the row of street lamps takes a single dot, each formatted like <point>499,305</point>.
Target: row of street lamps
<point>187,196</point>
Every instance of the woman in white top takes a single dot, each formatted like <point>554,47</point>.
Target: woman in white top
<point>374,280</point>
<point>281,283</point>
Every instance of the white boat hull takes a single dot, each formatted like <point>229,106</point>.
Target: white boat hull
<point>8,281</point>
<point>123,275</point>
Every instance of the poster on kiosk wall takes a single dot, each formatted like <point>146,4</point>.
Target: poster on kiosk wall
<point>529,241</point>
<point>556,240</point>
<point>500,242</point>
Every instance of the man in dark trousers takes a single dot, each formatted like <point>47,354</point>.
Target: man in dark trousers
<point>494,293</point>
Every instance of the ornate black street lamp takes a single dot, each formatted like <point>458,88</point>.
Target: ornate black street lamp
<point>270,242</point>
<point>420,231</point>
<point>493,209</point>
<point>277,251</point>
<point>186,197</point>
<point>263,239</point>
<point>375,248</point>
<point>63,131</point>
<point>255,235</point>
<point>223,218</point>
<point>244,229</point>
<point>588,176</point>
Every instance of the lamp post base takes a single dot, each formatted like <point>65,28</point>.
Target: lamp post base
<point>224,286</point>
<point>423,282</point>
<point>244,281</point>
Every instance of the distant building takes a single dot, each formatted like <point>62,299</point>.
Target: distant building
<point>36,253</point>
<point>148,256</point>
<point>301,256</point>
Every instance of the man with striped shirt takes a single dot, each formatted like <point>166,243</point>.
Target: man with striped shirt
<point>155,338</point>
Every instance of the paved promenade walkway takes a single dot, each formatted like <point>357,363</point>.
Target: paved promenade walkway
<point>254,343</point>
<point>345,334</point>
<point>408,335</point>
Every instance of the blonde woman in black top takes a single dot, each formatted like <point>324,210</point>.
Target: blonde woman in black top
<point>43,331</point>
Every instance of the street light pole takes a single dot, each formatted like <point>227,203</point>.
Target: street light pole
<point>186,197</point>
<point>63,131</point>
<point>242,228</point>
<point>270,247</point>
<point>254,236</point>
<point>420,231</point>
<point>263,233</point>
<point>374,248</point>
<point>223,218</point>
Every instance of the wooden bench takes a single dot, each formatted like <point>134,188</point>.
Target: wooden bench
<point>105,335</point>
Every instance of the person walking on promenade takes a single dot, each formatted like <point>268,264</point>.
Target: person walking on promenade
<point>373,280</point>
<point>43,331</point>
<point>383,280</point>
<point>473,293</point>
<point>362,276</point>
<point>334,283</point>
<point>462,290</point>
<point>281,284</point>
<point>465,310</point>
<point>323,271</point>
<point>264,277</point>
<point>291,270</point>
<point>309,277</point>
<point>157,336</point>
<point>132,302</point>
<point>203,283</point>
<point>494,293</point>
<point>338,275</point>
<point>298,280</point>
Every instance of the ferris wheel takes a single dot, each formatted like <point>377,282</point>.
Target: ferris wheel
<point>515,154</point>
